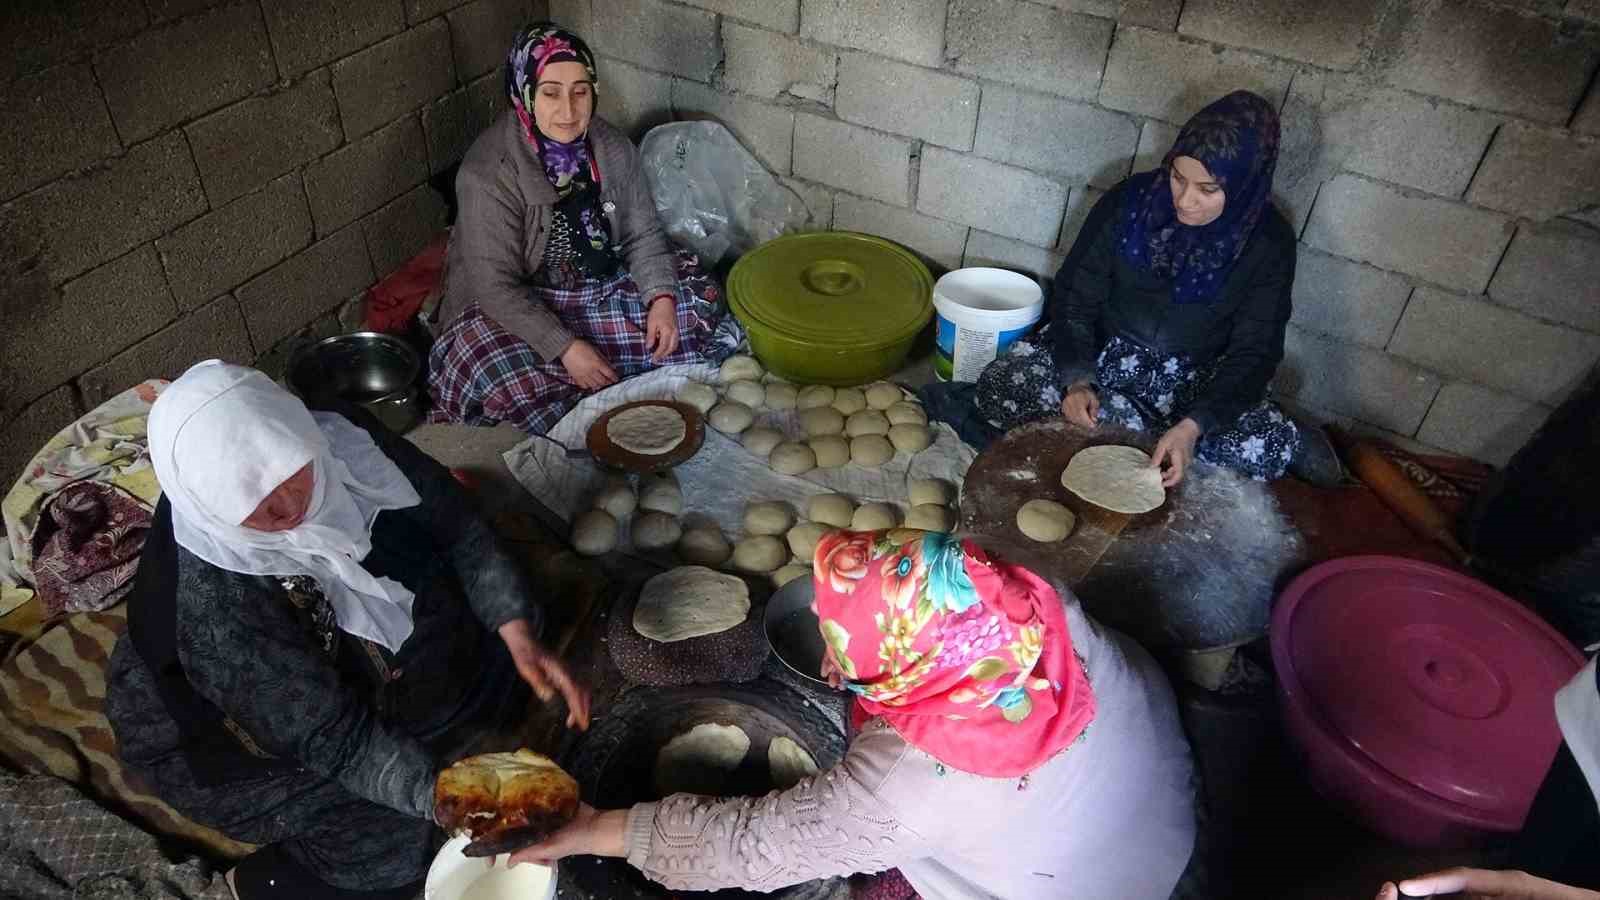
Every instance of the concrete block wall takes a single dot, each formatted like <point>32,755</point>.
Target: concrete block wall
<point>183,179</point>
<point>1441,161</point>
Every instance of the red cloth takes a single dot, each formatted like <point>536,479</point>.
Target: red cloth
<point>86,549</point>
<point>968,658</point>
<point>393,302</point>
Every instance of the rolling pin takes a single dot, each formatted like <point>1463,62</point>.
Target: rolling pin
<point>1400,494</point>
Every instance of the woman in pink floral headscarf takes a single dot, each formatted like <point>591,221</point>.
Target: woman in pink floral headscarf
<point>1006,747</point>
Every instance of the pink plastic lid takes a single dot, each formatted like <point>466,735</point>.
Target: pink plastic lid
<point>1438,679</point>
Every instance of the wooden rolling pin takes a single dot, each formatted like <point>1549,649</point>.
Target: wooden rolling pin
<point>1399,493</point>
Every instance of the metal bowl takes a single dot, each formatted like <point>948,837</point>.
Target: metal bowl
<point>377,371</point>
<point>793,632</point>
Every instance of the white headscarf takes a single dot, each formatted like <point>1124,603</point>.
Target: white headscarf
<point>223,437</point>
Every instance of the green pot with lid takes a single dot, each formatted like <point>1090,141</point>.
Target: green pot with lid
<point>831,307</point>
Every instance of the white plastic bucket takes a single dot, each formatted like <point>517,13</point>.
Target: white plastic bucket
<point>456,877</point>
<point>981,312</point>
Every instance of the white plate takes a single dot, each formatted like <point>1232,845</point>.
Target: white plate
<point>456,877</point>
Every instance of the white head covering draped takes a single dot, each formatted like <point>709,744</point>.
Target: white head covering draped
<point>223,437</point>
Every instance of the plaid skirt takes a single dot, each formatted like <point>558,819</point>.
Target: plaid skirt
<point>481,374</point>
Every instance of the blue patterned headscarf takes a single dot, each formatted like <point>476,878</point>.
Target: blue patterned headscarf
<point>1236,139</point>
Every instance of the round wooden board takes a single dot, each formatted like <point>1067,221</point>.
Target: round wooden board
<point>608,453</point>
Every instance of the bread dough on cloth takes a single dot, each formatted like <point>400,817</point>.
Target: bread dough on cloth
<point>688,602</point>
<point>788,762</point>
<point>518,797</point>
<point>647,430</point>
<point>733,655</point>
<point>701,760</point>
<point>1045,520</point>
<point>1115,477</point>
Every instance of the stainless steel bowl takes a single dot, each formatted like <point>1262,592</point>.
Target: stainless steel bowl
<point>377,371</point>
<point>792,629</point>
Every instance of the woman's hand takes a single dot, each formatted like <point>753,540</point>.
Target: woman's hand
<point>1081,405</point>
<point>589,370</point>
<point>544,673</point>
<point>661,327</point>
<point>1176,449</point>
<point>1485,884</point>
<point>590,833</point>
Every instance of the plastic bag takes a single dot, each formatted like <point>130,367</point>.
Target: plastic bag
<point>712,195</point>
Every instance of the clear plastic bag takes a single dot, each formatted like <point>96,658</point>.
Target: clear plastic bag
<point>712,195</point>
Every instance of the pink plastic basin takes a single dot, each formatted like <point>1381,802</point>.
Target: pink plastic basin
<point>1421,699</point>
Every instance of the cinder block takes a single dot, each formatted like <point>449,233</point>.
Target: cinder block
<point>767,131</point>
<point>985,249</point>
<point>634,99</point>
<point>66,128</point>
<point>1323,34</point>
<point>214,331</point>
<point>853,159</point>
<point>393,78</point>
<point>1442,241</point>
<point>1170,78</point>
<point>418,10</point>
<point>1020,43</point>
<point>34,35</point>
<point>24,435</point>
<point>1480,423</point>
<point>672,39</point>
<point>764,64</point>
<point>575,15</point>
<point>360,177</point>
<point>818,200</point>
<point>481,32</point>
<point>1346,299</point>
<point>909,30</point>
<point>399,230</point>
<point>454,121</point>
<point>1005,200</point>
<point>1354,380</point>
<point>1493,346</point>
<point>104,213</point>
<point>895,97</point>
<point>1588,119</point>
<point>1538,172</point>
<point>309,33</point>
<point>1079,203</point>
<point>1587,10</point>
<point>166,10</point>
<point>1075,142</point>
<point>1155,139</point>
<point>1552,272</point>
<point>242,147</point>
<point>178,71</point>
<point>1158,14</point>
<point>938,242</point>
<point>778,15</point>
<point>294,292</point>
<point>217,251</point>
<point>1497,58</point>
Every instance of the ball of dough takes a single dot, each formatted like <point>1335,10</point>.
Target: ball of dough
<point>832,450</point>
<point>704,545</point>
<point>661,495</point>
<point>867,421</point>
<point>849,400</point>
<point>906,413</point>
<point>830,509</point>
<point>874,517</point>
<point>814,395</point>
<point>882,395</point>
<point>760,554</point>
<point>803,538</point>
<point>655,531</point>
<point>931,490</point>
<point>594,532</point>
<point>740,368</point>
<point>792,458</point>
<point>781,396</point>
<point>1045,520</point>
<point>789,573</point>
<point>930,517</point>
<point>616,498</point>
<point>767,517</point>
<point>910,438</point>
<point>700,396</point>
<point>761,439</point>
<point>871,450</point>
<point>730,417</point>
<point>821,420</point>
<point>750,393</point>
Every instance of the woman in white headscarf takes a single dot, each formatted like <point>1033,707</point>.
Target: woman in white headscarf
<point>312,635</point>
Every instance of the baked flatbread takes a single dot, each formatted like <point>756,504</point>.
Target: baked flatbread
<point>1118,478</point>
<point>701,760</point>
<point>788,762</point>
<point>504,799</point>
<point>688,602</point>
<point>647,430</point>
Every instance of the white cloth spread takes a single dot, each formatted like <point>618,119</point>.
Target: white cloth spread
<point>223,437</point>
<point>1578,715</point>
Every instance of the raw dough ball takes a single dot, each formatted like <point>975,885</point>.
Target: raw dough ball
<point>616,498</point>
<point>803,538</point>
<point>661,494</point>
<point>832,450</point>
<point>781,396</point>
<point>768,517</point>
<point>931,490</point>
<point>750,393</point>
<point>760,440</point>
<point>760,554</point>
<point>731,417</point>
<point>594,533</point>
<point>874,517</point>
<point>867,421</point>
<point>1118,478</point>
<point>821,420</point>
<point>701,760</point>
<point>688,602</point>
<point>830,509</point>
<point>700,396</point>
<point>647,430</point>
<point>656,531</point>
<point>815,395</point>
<point>787,763</point>
<point>930,517</point>
<point>910,438</point>
<point>740,368</point>
<point>1045,520</point>
<point>907,413</point>
<point>792,458</point>
<point>871,450</point>
<point>849,400</point>
<point>882,395</point>
<point>704,545</point>
<point>789,573</point>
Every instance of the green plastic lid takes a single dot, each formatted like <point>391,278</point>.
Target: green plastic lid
<point>833,288</point>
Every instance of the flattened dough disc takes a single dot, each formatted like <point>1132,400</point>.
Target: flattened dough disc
<point>648,430</point>
<point>688,602</point>
<point>1115,477</point>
